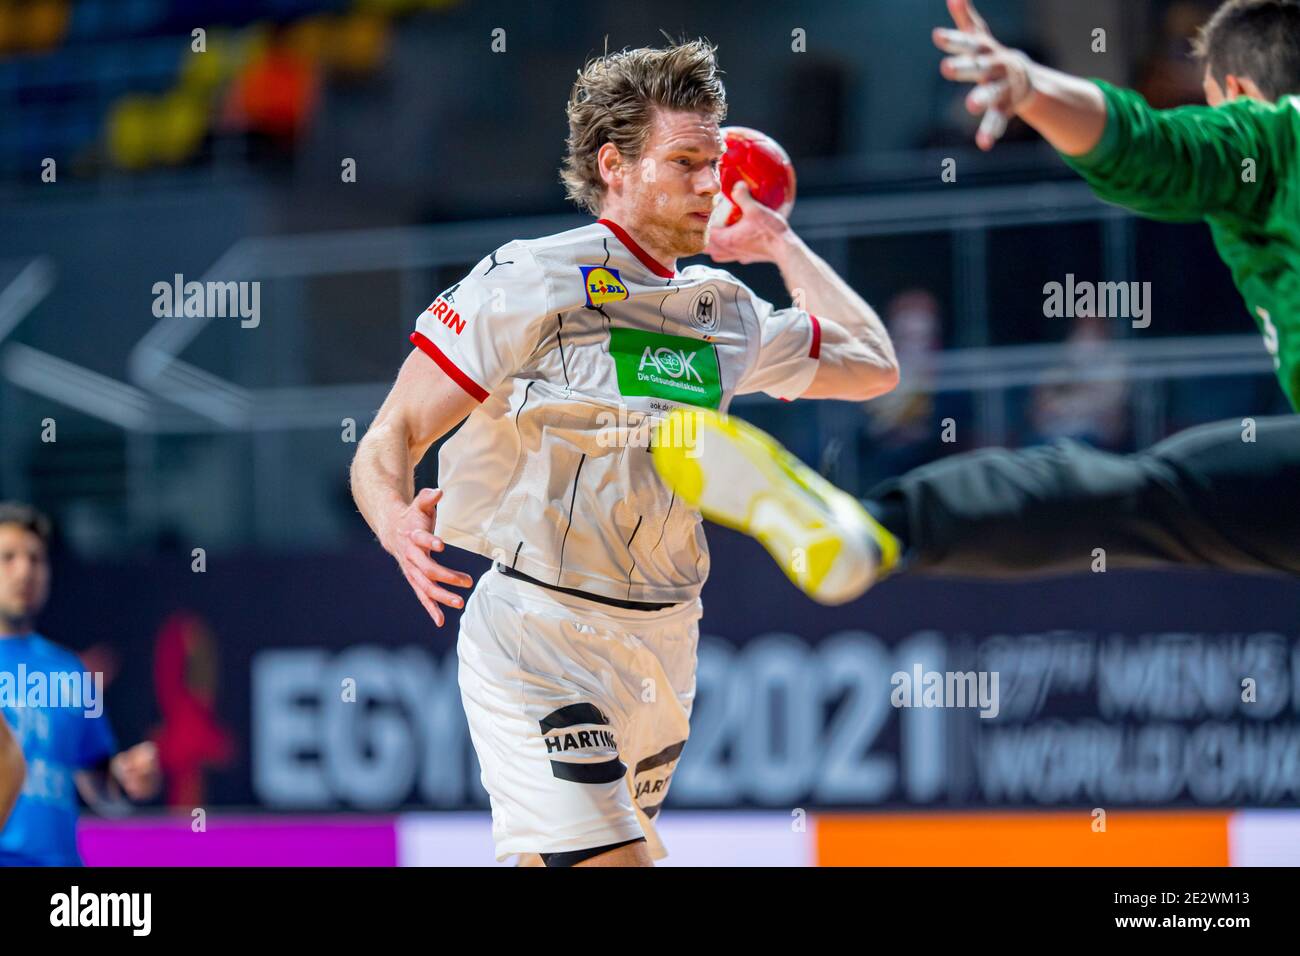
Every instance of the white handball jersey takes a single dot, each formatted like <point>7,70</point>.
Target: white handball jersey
<point>572,343</point>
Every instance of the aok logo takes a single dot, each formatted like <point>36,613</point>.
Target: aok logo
<point>674,363</point>
<point>671,367</point>
<point>602,285</point>
<point>444,313</point>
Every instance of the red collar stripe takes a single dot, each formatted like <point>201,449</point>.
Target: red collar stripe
<point>646,259</point>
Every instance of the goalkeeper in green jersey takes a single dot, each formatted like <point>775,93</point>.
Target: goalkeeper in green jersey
<point>1209,497</point>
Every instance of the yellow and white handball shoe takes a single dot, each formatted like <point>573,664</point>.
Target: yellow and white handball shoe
<point>739,476</point>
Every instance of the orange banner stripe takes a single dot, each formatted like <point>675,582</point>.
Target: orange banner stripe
<point>1137,838</point>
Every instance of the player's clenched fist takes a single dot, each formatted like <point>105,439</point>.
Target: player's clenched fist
<point>757,237</point>
<point>410,538</point>
<point>137,771</point>
<point>1003,78</point>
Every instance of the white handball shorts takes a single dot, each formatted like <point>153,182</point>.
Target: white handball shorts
<point>578,712</point>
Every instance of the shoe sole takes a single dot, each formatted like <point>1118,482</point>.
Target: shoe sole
<point>740,477</point>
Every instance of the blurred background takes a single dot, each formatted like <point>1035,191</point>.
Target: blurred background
<point>355,158</point>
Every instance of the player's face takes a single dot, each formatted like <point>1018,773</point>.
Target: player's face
<point>673,188</point>
<point>24,575</point>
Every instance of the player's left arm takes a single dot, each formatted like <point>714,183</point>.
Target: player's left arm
<point>132,775</point>
<point>108,781</point>
<point>856,359</point>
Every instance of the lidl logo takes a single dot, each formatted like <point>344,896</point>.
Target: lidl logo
<point>602,285</point>
<point>674,367</point>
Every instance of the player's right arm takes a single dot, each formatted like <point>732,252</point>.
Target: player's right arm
<point>424,404</point>
<point>474,336</point>
<point>1183,164</point>
<point>13,769</point>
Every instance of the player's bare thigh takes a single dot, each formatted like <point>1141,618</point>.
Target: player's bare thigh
<point>634,854</point>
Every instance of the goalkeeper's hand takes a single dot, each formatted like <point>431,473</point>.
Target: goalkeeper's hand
<point>1003,78</point>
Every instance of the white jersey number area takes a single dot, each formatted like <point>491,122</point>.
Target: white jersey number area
<point>557,338</point>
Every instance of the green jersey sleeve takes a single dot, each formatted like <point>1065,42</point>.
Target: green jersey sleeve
<point>1236,166</point>
<point>1188,163</point>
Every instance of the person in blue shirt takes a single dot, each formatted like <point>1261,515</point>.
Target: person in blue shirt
<point>67,744</point>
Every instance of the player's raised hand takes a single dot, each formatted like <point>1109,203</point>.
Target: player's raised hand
<point>137,771</point>
<point>410,542</point>
<point>755,238</point>
<point>1001,76</point>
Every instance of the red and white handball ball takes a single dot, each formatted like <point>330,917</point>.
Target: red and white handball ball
<point>765,167</point>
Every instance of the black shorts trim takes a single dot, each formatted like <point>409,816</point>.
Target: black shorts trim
<point>570,857</point>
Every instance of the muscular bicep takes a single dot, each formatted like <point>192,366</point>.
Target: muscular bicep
<point>1187,163</point>
<point>424,404</point>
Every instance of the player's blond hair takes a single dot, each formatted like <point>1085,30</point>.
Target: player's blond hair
<point>613,101</point>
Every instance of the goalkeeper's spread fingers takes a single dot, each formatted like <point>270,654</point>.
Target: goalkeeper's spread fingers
<point>976,22</point>
<point>991,129</point>
<point>955,41</point>
<point>987,95</point>
<point>970,69</point>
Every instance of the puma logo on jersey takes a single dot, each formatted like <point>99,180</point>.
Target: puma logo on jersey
<point>496,265</point>
<point>444,313</point>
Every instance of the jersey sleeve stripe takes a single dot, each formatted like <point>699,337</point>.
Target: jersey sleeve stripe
<point>476,391</point>
<point>816,349</point>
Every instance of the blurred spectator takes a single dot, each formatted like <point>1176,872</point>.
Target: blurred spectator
<point>1170,76</point>
<point>905,426</point>
<point>1095,410</point>
<point>273,99</point>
